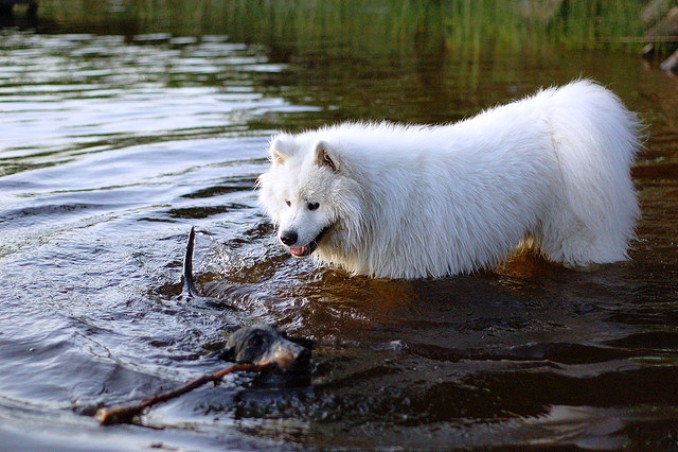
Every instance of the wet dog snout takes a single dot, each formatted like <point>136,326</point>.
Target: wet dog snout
<point>289,238</point>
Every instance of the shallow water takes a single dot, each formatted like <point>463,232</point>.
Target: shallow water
<point>115,142</point>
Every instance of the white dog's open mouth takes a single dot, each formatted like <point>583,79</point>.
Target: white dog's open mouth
<point>307,250</point>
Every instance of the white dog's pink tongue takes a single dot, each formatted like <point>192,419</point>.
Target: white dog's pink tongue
<point>297,251</point>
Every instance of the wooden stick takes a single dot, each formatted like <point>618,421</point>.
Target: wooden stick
<point>188,290</point>
<point>124,414</point>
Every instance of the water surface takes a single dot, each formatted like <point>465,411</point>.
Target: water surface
<point>119,134</point>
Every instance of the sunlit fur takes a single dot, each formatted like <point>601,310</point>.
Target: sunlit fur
<point>410,201</point>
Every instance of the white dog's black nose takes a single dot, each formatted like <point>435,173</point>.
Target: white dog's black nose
<point>289,238</point>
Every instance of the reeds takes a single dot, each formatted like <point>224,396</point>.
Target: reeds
<point>377,26</point>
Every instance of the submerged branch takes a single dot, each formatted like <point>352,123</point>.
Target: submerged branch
<point>124,414</point>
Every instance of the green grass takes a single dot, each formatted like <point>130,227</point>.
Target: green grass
<point>375,25</point>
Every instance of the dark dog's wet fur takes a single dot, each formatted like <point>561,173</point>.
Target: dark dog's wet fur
<point>263,345</point>
<point>258,344</point>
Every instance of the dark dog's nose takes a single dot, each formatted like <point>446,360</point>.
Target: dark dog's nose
<point>289,238</point>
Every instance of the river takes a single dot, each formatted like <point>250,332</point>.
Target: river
<point>121,128</point>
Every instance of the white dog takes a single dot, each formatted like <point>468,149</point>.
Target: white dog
<point>406,201</point>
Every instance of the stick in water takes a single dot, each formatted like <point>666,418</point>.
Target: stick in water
<point>188,289</point>
<point>124,414</point>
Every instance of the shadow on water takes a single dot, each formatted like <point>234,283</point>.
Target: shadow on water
<point>126,124</point>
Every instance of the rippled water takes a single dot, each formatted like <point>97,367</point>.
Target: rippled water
<point>113,144</point>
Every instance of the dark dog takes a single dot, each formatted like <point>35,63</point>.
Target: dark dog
<point>263,344</point>
<point>258,344</point>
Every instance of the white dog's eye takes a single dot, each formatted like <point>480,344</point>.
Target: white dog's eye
<point>288,202</point>
<point>312,205</point>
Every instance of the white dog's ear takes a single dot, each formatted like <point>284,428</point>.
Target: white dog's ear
<point>281,149</point>
<point>325,157</point>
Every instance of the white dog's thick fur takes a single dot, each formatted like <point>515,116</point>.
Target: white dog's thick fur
<point>406,201</point>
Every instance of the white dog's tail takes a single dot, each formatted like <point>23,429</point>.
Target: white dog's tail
<point>595,140</point>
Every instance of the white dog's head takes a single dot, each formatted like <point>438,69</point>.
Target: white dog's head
<point>305,193</point>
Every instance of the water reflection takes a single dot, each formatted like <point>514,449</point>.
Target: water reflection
<point>121,130</point>
<point>92,94</point>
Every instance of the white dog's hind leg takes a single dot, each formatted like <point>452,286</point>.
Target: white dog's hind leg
<point>595,140</point>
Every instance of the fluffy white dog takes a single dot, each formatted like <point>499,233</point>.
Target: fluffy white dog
<point>410,201</point>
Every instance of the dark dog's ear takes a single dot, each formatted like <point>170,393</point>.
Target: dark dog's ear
<point>228,354</point>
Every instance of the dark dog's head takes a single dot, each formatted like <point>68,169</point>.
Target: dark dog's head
<point>263,344</point>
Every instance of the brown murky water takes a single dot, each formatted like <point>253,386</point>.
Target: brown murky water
<point>119,133</point>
